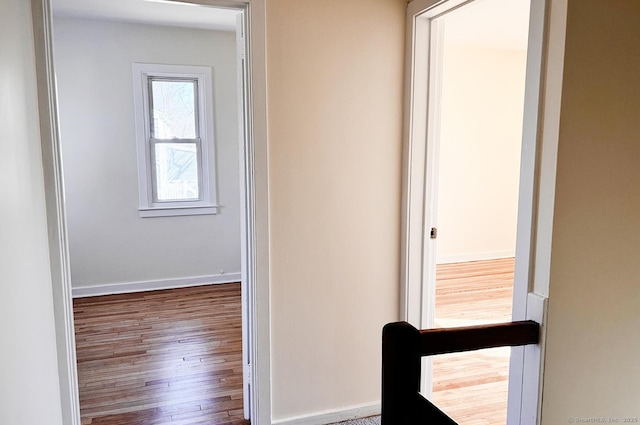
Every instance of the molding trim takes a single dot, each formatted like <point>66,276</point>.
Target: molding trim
<point>332,416</point>
<point>533,370</point>
<point>477,256</point>
<point>153,285</point>
<point>42,21</point>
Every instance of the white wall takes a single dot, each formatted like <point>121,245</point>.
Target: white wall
<point>591,364</point>
<point>479,170</point>
<point>29,390</point>
<point>335,138</point>
<point>109,242</point>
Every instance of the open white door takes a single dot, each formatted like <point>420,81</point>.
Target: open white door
<point>241,70</point>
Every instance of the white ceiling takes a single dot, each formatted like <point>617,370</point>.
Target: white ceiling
<point>157,12</point>
<point>498,24</point>
<point>501,24</point>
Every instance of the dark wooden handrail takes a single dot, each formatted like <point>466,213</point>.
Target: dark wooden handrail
<point>469,338</point>
<point>402,348</point>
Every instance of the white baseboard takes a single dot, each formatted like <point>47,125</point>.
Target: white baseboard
<point>332,416</point>
<point>152,285</point>
<point>476,256</point>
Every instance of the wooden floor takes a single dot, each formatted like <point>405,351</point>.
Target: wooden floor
<point>174,357</point>
<point>162,357</point>
<point>472,387</point>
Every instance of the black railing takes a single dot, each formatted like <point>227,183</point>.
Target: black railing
<point>402,348</point>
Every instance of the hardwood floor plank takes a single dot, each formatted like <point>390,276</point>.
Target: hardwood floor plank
<point>169,357</point>
<point>174,357</point>
<point>472,387</point>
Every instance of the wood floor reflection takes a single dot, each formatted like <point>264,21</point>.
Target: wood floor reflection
<point>161,357</point>
<point>472,387</point>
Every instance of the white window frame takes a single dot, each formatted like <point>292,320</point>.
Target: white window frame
<point>207,201</point>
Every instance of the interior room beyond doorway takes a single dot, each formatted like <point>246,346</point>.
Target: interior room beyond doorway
<point>113,247</point>
<point>481,62</point>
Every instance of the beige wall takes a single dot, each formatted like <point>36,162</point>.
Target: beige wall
<point>335,104</point>
<point>29,390</point>
<point>593,347</point>
<point>480,138</point>
<point>335,138</point>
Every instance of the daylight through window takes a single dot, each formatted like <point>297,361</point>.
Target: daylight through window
<point>174,124</point>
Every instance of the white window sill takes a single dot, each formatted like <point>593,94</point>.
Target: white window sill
<point>177,211</point>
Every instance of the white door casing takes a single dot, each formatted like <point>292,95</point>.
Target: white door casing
<point>244,228</point>
<point>536,191</point>
<point>255,212</point>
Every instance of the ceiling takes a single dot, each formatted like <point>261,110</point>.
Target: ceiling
<point>157,12</point>
<point>501,24</point>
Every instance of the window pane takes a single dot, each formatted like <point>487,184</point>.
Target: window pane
<point>176,171</point>
<point>173,106</point>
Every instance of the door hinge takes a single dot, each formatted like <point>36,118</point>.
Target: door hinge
<point>434,233</point>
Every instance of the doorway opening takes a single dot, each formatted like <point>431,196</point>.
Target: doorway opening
<point>469,189</point>
<point>479,64</point>
<point>95,73</point>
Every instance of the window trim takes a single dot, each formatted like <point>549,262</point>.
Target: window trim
<point>207,200</point>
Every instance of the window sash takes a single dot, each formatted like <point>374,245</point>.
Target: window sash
<point>153,141</point>
<point>153,170</point>
<point>196,100</point>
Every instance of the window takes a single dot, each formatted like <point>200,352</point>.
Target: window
<point>174,136</point>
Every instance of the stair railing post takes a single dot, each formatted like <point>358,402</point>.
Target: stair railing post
<point>400,373</point>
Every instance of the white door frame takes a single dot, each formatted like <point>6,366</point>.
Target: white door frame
<point>537,185</point>
<point>255,220</point>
